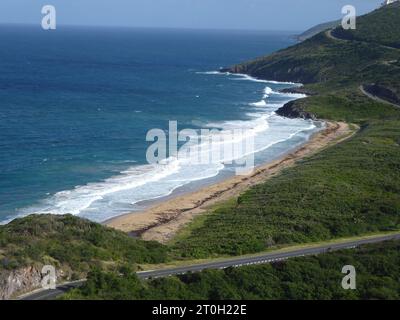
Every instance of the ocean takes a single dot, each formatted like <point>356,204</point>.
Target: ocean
<point>76,105</point>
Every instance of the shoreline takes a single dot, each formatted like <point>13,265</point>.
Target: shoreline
<point>162,221</point>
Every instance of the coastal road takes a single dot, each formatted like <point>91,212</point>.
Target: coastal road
<point>330,35</point>
<point>371,96</point>
<point>223,264</point>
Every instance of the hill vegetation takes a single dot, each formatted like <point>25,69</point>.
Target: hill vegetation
<point>317,29</point>
<point>305,278</point>
<point>350,189</point>
<point>72,244</point>
<point>325,63</point>
<point>379,27</point>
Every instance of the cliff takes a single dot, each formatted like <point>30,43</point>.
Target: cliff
<point>19,281</point>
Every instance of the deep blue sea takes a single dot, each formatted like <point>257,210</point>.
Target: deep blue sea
<point>76,104</point>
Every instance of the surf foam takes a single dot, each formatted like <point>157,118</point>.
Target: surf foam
<point>122,193</point>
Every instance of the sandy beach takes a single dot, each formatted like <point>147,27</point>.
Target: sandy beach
<point>162,221</point>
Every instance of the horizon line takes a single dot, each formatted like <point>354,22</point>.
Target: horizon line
<point>31,24</point>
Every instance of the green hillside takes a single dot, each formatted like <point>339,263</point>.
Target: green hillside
<point>72,244</point>
<point>378,27</point>
<point>338,63</point>
<point>350,189</point>
<point>317,29</point>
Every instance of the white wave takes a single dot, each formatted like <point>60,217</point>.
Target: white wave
<point>267,92</point>
<point>122,161</point>
<point>76,200</point>
<point>309,128</point>
<point>246,77</point>
<point>211,72</point>
<point>261,103</point>
<point>119,194</point>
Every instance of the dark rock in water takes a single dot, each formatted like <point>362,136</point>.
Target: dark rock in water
<point>234,69</point>
<point>224,70</point>
<point>293,110</point>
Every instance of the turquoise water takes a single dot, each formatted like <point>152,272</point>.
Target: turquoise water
<point>76,104</point>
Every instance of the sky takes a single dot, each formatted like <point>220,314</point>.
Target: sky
<point>290,15</point>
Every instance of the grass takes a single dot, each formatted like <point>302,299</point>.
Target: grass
<point>199,220</point>
<point>349,106</point>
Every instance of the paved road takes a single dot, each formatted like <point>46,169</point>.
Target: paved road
<point>376,98</point>
<point>234,262</point>
<point>52,294</point>
<point>330,35</point>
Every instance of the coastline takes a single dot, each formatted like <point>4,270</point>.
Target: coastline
<point>162,221</point>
